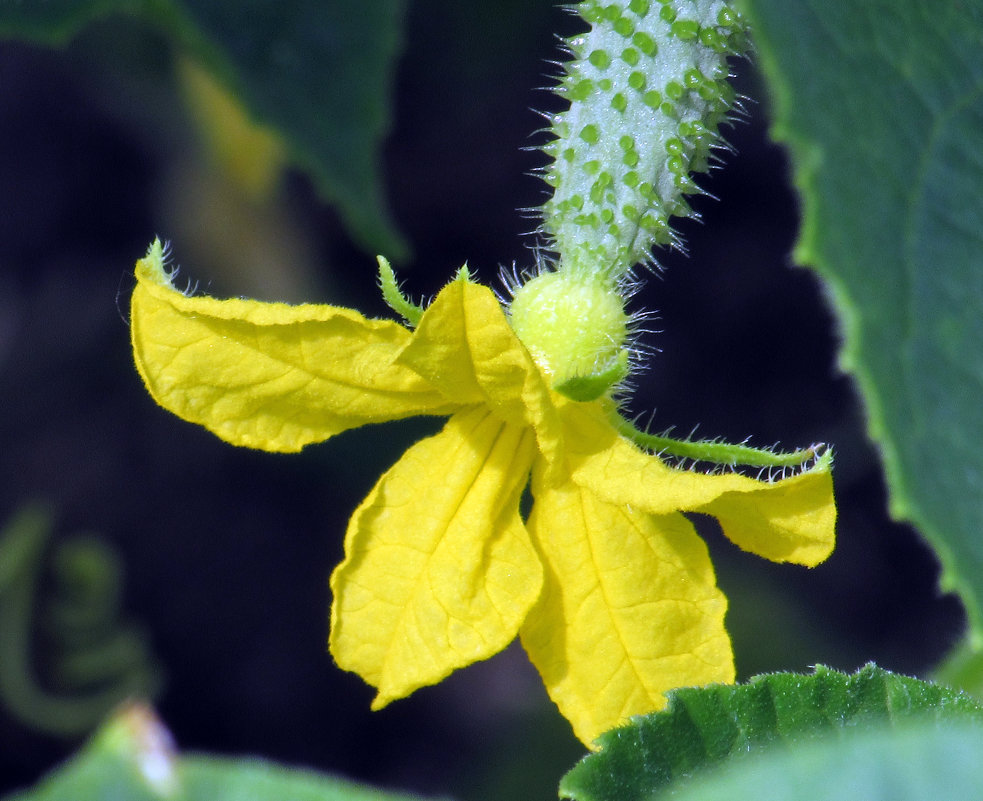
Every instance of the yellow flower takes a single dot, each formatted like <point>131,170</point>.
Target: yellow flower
<point>607,584</point>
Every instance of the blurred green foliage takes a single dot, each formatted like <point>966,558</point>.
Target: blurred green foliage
<point>320,73</point>
<point>132,758</point>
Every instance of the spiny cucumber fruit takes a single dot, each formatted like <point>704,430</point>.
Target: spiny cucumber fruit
<point>648,90</point>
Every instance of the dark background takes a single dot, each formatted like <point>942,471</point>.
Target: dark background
<point>227,551</point>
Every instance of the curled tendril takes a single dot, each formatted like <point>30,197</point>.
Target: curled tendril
<point>67,657</point>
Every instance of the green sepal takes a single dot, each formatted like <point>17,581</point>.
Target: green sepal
<point>721,453</point>
<point>394,298</point>
<point>591,387</point>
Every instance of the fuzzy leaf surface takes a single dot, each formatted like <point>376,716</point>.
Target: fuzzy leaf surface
<point>705,727</point>
<point>318,73</point>
<point>881,106</point>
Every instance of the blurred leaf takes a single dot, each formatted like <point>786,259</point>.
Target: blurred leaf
<point>881,105</point>
<point>319,73</point>
<point>702,727</point>
<point>132,758</point>
<point>912,763</point>
<point>962,668</point>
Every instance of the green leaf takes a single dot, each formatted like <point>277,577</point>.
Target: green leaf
<point>132,759</point>
<point>319,73</point>
<point>910,764</point>
<point>703,727</point>
<point>881,105</point>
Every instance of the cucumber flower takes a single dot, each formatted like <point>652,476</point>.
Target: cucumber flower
<point>606,582</point>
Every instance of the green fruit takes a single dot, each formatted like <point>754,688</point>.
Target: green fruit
<point>648,90</point>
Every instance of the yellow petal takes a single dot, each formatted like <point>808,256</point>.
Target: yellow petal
<point>439,571</point>
<point>269,375</point>
<point>465,346</point>
<point>629,610</point>
<point>792,520</point>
